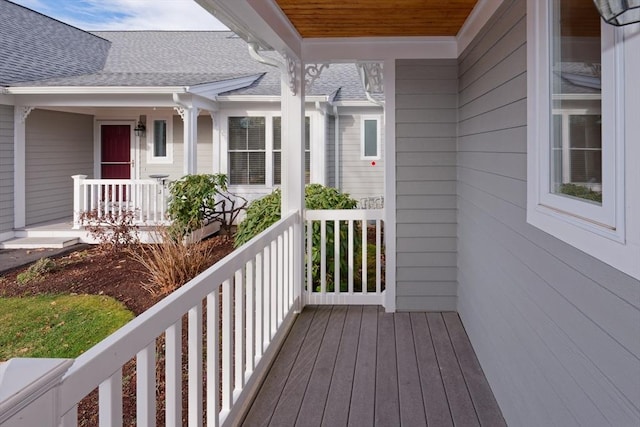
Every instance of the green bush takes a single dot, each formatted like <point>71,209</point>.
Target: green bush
<point>582,192</point>
<point>264,212</point>
<point>190,198</point>
<point>36,271</point>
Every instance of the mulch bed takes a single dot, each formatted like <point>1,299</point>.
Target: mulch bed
<point>115,274</point>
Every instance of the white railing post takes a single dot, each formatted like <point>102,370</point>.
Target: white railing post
<point>78,201</point>
<point>29,391</point>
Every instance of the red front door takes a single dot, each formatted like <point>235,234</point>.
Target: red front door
<point>115,159</point>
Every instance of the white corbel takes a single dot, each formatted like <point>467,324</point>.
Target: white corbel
<point>24,112</point>
<point>292,73</point>
<point>311,73</point>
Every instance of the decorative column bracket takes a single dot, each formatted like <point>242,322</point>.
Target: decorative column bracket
<point>312,72</point>
<point>24,112</point>
<point>182,110</point>
<point>372,76</point>
<point>291,69</point>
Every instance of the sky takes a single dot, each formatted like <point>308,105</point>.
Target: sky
<point>95,15</point>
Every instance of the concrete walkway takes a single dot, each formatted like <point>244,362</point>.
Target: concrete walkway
<point>14,258</point>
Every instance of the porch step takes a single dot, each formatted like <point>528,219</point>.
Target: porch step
<point>39,242</point>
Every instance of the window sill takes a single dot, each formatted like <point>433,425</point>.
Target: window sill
<point>603,243</point>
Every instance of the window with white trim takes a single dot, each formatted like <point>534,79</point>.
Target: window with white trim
<point>159,140</point>
<point>247,151</point>
<point>277,150</point>
<point>370,138</point>
<point>576,167</point>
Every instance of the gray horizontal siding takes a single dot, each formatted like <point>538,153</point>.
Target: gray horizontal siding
<point>357,176</point>
<point>556,331</point>
<point>426,122</point>
<point>6,168</point>
<point>58,145</point>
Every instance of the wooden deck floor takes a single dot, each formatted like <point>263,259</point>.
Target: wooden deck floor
<point>359,366</point>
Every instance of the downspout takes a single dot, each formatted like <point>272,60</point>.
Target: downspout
<point>253,52</point>
<point>336,143</point>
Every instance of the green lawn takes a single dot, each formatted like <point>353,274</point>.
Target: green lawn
<point>61,326</point>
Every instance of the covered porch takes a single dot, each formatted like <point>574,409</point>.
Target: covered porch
<point>357,365</point>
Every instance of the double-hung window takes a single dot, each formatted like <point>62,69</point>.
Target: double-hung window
<point>277,150</point>
<point>247,151</point>
<point>576,167</point>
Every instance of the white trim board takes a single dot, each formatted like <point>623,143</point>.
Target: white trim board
<point>262,21</point>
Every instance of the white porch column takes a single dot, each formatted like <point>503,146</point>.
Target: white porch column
<point>19,164</point>
<point>189,117</point>
<point>292,106</point>
<point>390,183</point>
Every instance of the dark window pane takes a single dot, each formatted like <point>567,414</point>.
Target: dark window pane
<point>160,138</point>
<point>257,168</point>
<point>256,133</point>
<point>307,167</point>
<point>277,168</point>
<point>586,166</point>
<point>370,138</point>
<point>238,133</point>
<point>277,133</point>
<point>307,133</point>
<point>238,168</point>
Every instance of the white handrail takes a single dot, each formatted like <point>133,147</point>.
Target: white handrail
<point>342,241</point>
<point>144,199</point>
<point>98,365</point>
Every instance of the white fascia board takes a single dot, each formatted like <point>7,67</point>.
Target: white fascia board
<point>259,21</point>
<point>94,90</point>
<point>362,103</point>
<point>96,100</point>
<point>328,50</point>
<point>211,90</point>
<point>266,98</point>
<point>479,16</point>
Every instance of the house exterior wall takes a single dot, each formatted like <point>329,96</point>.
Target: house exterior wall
<point>426,115</point>
<point>358,176</point>
<point>556,331</point>
<point>6,169</point>
<point>58,145</point>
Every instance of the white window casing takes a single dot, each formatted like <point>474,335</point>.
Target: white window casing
<point>156,153</point>
<point>601,230</point>
<point>370,137</point>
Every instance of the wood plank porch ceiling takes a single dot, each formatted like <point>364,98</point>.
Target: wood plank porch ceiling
<point>376,18</point>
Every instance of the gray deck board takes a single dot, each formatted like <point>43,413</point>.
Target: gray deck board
<point>364,379</point>
<point>479,390</point>
<point>269,393</point>
<point>339,398</point>
<point>360,366</point>
<point>315,397</point>
<point>387,405</point>
<point>409,390</point>
<point>435,401</point>
<point>462,410</point>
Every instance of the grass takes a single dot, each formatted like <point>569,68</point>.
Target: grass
<point>57,326</point>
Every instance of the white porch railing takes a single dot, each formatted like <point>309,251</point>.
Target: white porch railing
<point>345,259</point>
<point>248,302</point>
<point>145,199</point>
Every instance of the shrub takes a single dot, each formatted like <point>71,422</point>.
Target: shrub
<point>170,263</point>
<point>264,212</point>
<point>197,199</point>
<point>581,191</point>
<point>36,271</point>
<point>113,231</point>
